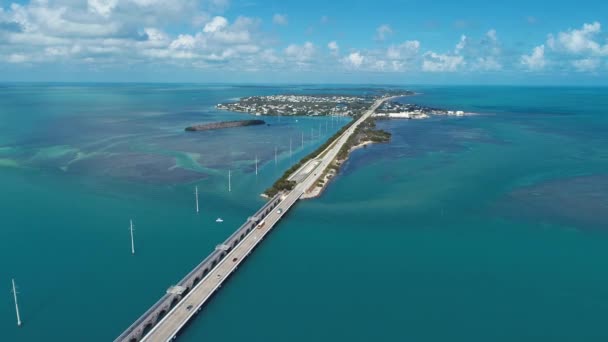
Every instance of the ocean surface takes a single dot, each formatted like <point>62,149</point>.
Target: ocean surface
<point>491,227</point>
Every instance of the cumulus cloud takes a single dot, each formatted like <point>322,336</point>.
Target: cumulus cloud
<point>183,41</point>
<point>579,41</point>
<point>404,50</point>
<point>492,36</point>
<point>333,47</point>
<point>396,58</point>
<point>586,64</point>
<point>16,58</point>
<point>354,60</point>
<point>197,34</point>
<point>489,63</point>
<point>461,44</point>
<point>434,62</point>
<point>102,7</point>
<point>302,55</point>
<point>536,60</point>
<point>280,19</point>
<point>116,33</point>
<point>216,24</point>
<point>383,31</point>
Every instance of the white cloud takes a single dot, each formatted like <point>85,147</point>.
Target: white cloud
<point>16,58</point>
<point>102,7</point>
<point>302,55</point>
<point>216,24</point>
<point>195,33</point>
<point>489,63</point>
<point>333,47</point>
<point>406,49</point>
<point>280,19</point>
<point>183,41</point>
<point>536,60</point>
<point>579,41</point>
<point>461,44</point>
<point>492,36</point>
<point>353,60</point>
<point>434,62</point>
<point>383,31</point>
<point>586,65</point>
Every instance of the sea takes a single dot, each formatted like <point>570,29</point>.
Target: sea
<point>488,227</point>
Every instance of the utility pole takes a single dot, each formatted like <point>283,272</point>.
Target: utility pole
<point>16,303</point>
<point>196,194</point>
<point>229,181</point>
<point>132,240</point>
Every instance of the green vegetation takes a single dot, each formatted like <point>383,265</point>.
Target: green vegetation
<point>366,132</point>
<point>282,184</point>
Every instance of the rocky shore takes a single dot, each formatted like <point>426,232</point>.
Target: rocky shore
<point>223,124</point>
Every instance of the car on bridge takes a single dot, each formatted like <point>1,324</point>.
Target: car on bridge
<point>279,211</point>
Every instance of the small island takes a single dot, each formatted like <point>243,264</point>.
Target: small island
<point>223,124</point>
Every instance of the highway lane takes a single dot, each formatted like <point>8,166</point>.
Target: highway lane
<point>176,318</point>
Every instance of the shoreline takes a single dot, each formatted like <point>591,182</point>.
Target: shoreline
<point>331,174</point>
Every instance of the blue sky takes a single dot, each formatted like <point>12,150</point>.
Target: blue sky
<point>381,41</point>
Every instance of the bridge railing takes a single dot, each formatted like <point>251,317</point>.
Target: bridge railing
<point>213,254</point>
<point>143,318</point>
<point>185,280</point>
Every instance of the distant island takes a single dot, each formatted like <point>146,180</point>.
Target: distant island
<point>305,105</point>
<point>223,124</point>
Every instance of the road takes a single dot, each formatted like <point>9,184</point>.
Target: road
<point>172,323</point>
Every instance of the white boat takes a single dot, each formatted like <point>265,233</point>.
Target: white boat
<point>219,220</point>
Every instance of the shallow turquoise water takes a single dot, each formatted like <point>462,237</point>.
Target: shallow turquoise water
<point>486,228</point>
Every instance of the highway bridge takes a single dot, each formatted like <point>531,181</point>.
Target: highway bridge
<point>164,320</point>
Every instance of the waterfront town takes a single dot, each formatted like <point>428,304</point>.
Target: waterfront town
<point>333,105</point>
<point>309,105</point>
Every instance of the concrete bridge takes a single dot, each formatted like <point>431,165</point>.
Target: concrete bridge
<point>164,320</point>
<point>176,292</point>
